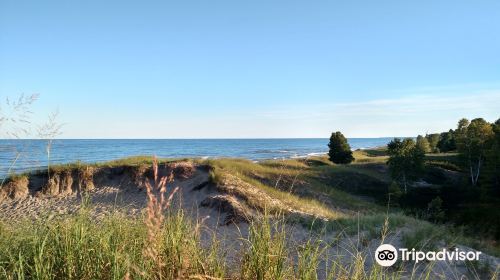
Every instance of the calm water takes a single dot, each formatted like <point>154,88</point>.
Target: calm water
<point>32,155</point>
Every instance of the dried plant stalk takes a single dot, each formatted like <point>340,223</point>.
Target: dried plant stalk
<point>155,215</point>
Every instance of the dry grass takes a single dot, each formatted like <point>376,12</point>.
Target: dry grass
<point>156,206</point>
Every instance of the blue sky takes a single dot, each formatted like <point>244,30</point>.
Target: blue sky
<point>224,69</point>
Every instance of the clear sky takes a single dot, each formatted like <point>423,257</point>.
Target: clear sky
<point>224,69</point>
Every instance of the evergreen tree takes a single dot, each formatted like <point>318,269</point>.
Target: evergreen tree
<point>340,151</point>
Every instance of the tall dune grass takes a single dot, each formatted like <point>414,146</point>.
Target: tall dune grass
<point>78,247</point>
<point>166,244</point>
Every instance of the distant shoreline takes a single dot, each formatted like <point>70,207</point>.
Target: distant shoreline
<point>258,138</point>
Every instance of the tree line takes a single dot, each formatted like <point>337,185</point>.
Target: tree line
<point>477,143</point>
<point>468,199</point>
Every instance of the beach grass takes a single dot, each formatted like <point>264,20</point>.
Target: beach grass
<point>77,247</point>
<point>115,247</point>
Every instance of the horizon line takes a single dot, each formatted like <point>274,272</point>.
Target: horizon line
<point>209,138</point>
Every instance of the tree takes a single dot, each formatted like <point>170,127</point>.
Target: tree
<point>435,210</point>
<point>340,151</point>
<point>447,141</point>
<point>406,160</point>
<point>423,144</point>
<point>491,173</point>
<point>474,139</point>
<point>433,141</point>
<point>460,132</point>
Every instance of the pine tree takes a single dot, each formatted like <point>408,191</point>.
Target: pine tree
<point>340,151</point>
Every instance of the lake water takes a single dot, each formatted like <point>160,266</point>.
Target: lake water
<point>31,154</point>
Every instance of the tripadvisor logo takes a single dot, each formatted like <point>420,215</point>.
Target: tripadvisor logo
<point>387,255</point>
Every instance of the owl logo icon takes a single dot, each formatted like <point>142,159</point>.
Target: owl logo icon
<point>386,255</point>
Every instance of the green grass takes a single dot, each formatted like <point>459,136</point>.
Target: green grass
<point>377,155</point>
<point>266,256</point>
<point>138,160</point>
<point>371,216</point>
<point>342,199</point>
<point>370,169</point>
<point>371,222</point>
<point>426,237</point>
<point>445,165</point>
<point>274,179</point>
<point>451,156</point>
<point>78,247</point>
<point>127,161</point>
<point>310,184</point>
<point>295,182</point>
<point>448,161</point>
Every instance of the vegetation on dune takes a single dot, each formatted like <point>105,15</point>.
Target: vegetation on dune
<point>332,185</point>
<point>165,244</point>
<point>375,153</point>
<point>78,247</point>
<point>406,161</point>
<point>281,181</point>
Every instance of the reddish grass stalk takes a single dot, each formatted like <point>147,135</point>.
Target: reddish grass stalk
<point>155,215</point>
